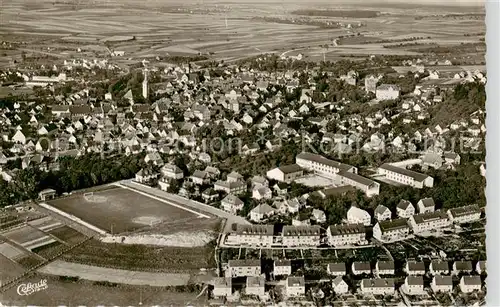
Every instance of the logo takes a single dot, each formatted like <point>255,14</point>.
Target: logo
<point>30,288</point>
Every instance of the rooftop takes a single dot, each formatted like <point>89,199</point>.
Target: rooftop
<point>403,171</point>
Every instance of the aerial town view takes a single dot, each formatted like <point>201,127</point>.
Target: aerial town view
<point>242,153</point>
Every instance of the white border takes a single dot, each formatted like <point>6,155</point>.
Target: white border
<point>492,151</point>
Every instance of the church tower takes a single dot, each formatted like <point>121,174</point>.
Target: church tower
<point>145,92</point>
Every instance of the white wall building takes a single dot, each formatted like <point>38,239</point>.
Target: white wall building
<point>244,267</point>
<point>287,173</point>
<point>282,267</point>
<point>295,286</point>
<point>339,285</point>
<point>391,230</point>
<point>222,287</point>
<point>429,221</point>
<point>470,283</point>
<point>301,235</point>
<point>250,235</point>
<point>406,177</point>
<point>255,286</point>
<point>442,283</point>
<point>405,209</point>
<point>378,286</point>
<point>358,216</point>
<point>341,235</point>
<point>387,92</point>
<point>466,214</point>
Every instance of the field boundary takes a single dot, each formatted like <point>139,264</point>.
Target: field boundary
<point>73,218</point>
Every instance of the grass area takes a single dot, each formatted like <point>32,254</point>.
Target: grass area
<point>48,250</point>
<point>28,261</point>
<point>142,257</point>
<point>68,235</point>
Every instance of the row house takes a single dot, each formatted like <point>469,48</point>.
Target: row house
<point>384,267</point>
<point>429,221</point>
<point>295,286</point>
<point>414,285</point>
<point>253,235</point>
<point>438,267</point>
<point>470,284</point>
<point>406,177</point>
<point>301,235</point>
<point>255,286</point>
<point>243,268</point>
<point>462,267</point>
<point>391,230</point>
<point>378,286</point>
<point>282,267</point>
<point>415,268</point>
<point>341,235</point>
<point>336,269</point>
<point>442,283</point>
<point>359,268</point>
<point>222,287</point>
<point>466,214</point>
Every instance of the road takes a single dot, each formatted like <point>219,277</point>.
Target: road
<point>177,200</point>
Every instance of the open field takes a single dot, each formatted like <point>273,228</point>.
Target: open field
<point>142,257</point>
<point>9,270</point>
<point>61,292</point>
<point>68,235</point>
<point>123,210</point>
<point>228,32</point>
<point>28,237</point>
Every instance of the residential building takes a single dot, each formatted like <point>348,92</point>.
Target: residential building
<point>358,216</point>
<point>301,235</point>
<point>262,193</point>
<point>470,284</point>
<point>462,267</point>
<point>391,230</point>
<point>378,286</point>
<point>339,285</point>
<point>336,269</point>
<point>243,268</point>
<point>234,177</point>
<point>351,234</point>
<point>255,286</point>
<point>405,209</point>
<point>359,268</point>
<point>318,216</point>
<point>322,165</point>
<point>200,177</point>
<point>287,173</point>
<point>260,212</point>
<point>429,221</point>
<point>426,205</point>
<point>481,267</point>
<point>222,287</point>
<point>387,92</point>
<point>382,213</point>
<point>405,177</point>
<point>414,285</point>
<point>415,268</point>
<point>209,195</point>
<point>171,171</point>
<point>438,267</point>
<point>442,284</point>
<point>251,235</point>
<point>466,214</point>
<point>282,267</point>
<point>295,286</point>
<point>146,175</point>
<point>384,267</point>
<point>231,187</point>
<point>232,204</point>
<point>371,84</point>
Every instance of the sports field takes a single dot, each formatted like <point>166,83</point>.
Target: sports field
<point>120,210</point>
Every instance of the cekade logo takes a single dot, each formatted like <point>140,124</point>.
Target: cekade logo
<point>30,288</point>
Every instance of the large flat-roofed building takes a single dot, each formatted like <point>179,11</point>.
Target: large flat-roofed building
<point>405,177</point>
<point>350,234</point>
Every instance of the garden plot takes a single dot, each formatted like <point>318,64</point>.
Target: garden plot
<point>28,237</point>
<point>10,251</point>
<point>46,224</point>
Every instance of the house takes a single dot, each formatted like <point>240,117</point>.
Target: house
<point>405,209</point>
<point>358,216</point>
<point>301,235</point>
<point>319,216</point>
<point>387,92</point>
<point>339,285</point>
<point>260,212</point>
<point>432,159</point>
<point>391,231</point>
<point>230,187</point>
<point>378,286</point>
<point>340,235</point>
<point>382,213</point>
<point>481,267</point>
<point>209,195</point>
<point>461,267</point>
<point>281,188</point>
<point>295,286</point>
<point>232,204</point>
<point>258,182</point>
<point>212,172</point>
<point>442,283</point>
<point>46,194</point>
<point>406,177</point>
<point>426,205</point>
<point>222,287</point>
<point>262,193</point>
<point>200,177</point>
<point>414,285</point>
<point>359,268</point>
<point>384,267</point>
<point>243,268</point>
<point>171,171</point>
<point>282,267</point>
<point>371,84</point>
<point>429,221</point>
<point>234,177</point>
<point>451,158</point>
<point>287,173</point>
<point>470,284</point>
<point>19,137</point>
<point>466,214</point>
<point>255,286</point>
<point>250,235</point>
<point>438,267</point>
<point>415,268</point>
<point>155,158</point>
<point>336,269</point>
<point>146,175</point>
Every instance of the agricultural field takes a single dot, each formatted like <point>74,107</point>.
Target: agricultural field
<point>68,235</point>
<point>28,237</point>
<point>10,269</point>
<point>120,210</point>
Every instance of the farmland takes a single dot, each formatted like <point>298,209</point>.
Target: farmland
<point>120,210</point>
